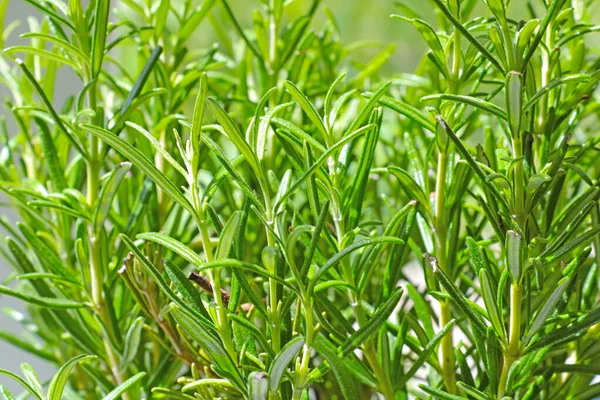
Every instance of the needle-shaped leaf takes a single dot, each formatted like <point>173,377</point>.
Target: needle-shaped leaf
<point>552,300</point>
<point>410,112</point>
<point>21,382</point>
<point>308,173</point>
<point>137,87</point>
<point>197,119</point>
<point>421,309</point>
<point>132,342</point>
<point>108,192</point>
<point>57,385</point>
<point>429,348</point>
<point>341,369</point>
<point>140,161</point>
<point>282,360</point>
<point>578,78</point>
<point>213,346</point>
<point>464,31</point>
<point>227,236</point>
<point>457,297</point>
<point>46,302</point>
<point>55,117</point>
<point>100,33</point>
<point>116,393</point>
<point>233,171</point>
<point>32,378</point>
<point>347,252</point>
<point>307,107</point>
<point>159,148</point>
<point>476,102</point>
<point>379,317</point>
<point>567,333</point>
<point>234,134</point>
<point>164,286</point>
<point>185,287</point>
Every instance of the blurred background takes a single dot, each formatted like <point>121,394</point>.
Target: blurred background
<point>358,20</point>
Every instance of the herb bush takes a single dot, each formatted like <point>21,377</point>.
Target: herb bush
<point>265,219</point>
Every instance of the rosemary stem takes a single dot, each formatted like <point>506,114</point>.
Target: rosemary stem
<point>512,352</point>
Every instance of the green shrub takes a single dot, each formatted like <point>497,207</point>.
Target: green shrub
<point>263,218</point>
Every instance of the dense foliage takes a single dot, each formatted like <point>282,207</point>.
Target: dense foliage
<point>265,218</point>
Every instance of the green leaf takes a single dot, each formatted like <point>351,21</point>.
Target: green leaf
<point>209,343</point>
<point>46,302</point>
<point>421,309</point>
<point>132,342</point>
<point>176,246</point>
<point>234,135</point>
<point>138,85</point>
<point>427,351</point>
<point>159,148</point>
<point>366,110</point>
<point>355,198</point>
<point>55,117</point>
<point>577,78</point>
<point>263,129</point>
<point>486,106</point>
<point>51,13</point>
<point>565,334</point>
<point>281,361</point>
<point>157,276</point>
<point>410,112</point>
<point>346,252</point>
<point>232,171</point>
<point>460,27</point>
<point>227,236</point>
<point>27,346</point>
<point>457,297</point>
<point>307,107</point>
<point>462,150</point>
<point>410,186</point>
<point>340,367</point>
<point>33,380</point>
<point>438,394</point>
<point>55,169</point>
<point>186,288</point>
<point>197,119</point>
<point>162,15</point>
<point>254,331</point>
<point>376,321</point>
<point>140,161</point>
<point>489,298</point>
<point>552,300</point>
<point>116,393</point>
<point>471,391</point>
<point>21,382</point>
<point>553,8</point>
<point>5,393</point>
<point>194,20</point>
<point>298,133</point>
<point>308,173</point>
<point>108,192</point>
<point>57,385</point>
<point>100,33</point>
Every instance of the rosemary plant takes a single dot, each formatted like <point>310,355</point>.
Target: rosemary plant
<point>266,218</point>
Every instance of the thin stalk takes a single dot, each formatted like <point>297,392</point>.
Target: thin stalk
<point>369,349</point>
<point>446,346</point>
<point>214,275</point>
<point>97,276</point>
<point>512,351</point>
<point>519,206</point>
